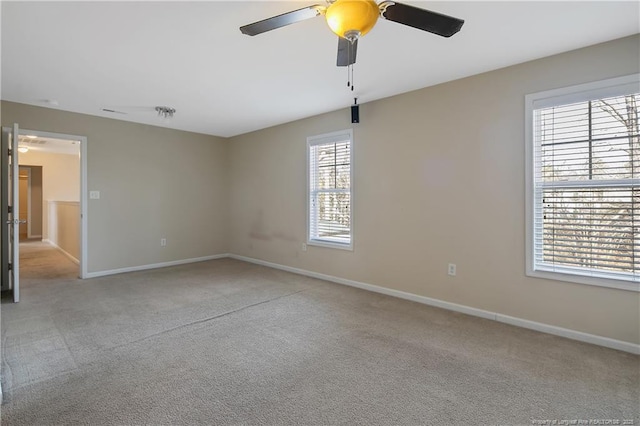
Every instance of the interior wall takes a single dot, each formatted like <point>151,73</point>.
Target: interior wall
<point>60,179</point>
<point>36,202</point>
<point>64,227</point>
<point>23,187</point>
<point>438,178</point>
<point>154,183</point>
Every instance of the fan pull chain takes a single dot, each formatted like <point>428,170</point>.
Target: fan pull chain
<point>352,82</point>
<point>348,76</point>
<point>349,66</point>
<point>349,83</point>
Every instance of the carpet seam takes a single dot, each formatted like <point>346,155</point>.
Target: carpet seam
<point>204,320</point>
<point>200,321</point>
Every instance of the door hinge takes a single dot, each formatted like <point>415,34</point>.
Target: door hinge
<point>10,152</point>
<point>10,209</point>
<point>10,266</point>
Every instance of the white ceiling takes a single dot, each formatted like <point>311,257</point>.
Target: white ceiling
<point>49,145</point>
<point>132,56</point>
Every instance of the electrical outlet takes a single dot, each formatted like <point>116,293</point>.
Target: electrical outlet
<point>452,269</point>
<point>163,242</point>
<point>304,246</point>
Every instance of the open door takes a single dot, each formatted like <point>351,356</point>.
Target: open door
<point>10,215</point>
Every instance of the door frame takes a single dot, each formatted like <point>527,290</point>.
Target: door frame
<point>84,216</point>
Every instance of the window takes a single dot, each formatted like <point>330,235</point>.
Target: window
<point>329,190</point>
<point>583,183</point>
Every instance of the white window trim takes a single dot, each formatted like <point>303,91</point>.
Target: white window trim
<point>318,140</point>
<point>566,95</point>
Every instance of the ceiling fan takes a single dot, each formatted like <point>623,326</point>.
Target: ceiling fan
<point>352,19</point>
<point>164,112</point>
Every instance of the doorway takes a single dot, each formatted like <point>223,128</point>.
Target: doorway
<point>51,178</point>
<point>59,160</point>
<point>17,142</point>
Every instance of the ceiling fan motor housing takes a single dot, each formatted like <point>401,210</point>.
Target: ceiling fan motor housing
<point>351,19</point>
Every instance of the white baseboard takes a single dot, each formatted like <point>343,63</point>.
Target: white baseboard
<point>66,253</point>
<point>519,322</point>
<point>154,265</point>
<point>570,334</point>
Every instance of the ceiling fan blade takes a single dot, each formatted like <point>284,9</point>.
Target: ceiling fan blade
<point>113,111</point>
<point>282,20</point>
<point>346,52</point>
<point>422,19</point>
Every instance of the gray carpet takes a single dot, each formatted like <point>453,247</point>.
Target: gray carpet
<point>230,343</point>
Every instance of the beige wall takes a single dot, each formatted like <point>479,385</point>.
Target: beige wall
<point>154,183</point>
<point>439,178</point>
<point>60,179</point>
<point>64,226</point>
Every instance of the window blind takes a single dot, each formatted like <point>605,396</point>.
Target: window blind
<point>330,189</point>
<point>586,188</point>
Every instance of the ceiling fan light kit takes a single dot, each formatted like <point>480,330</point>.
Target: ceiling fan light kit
<point>352,19</point>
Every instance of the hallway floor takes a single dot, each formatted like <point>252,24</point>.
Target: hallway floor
<point>40,261</point>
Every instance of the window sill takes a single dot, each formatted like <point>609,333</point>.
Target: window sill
<point>588,280</point>
<point>330,244</point>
